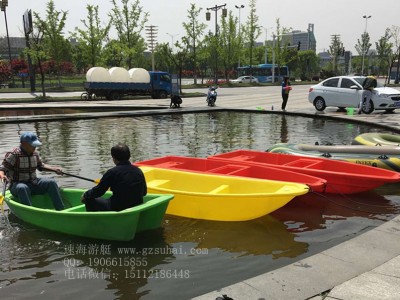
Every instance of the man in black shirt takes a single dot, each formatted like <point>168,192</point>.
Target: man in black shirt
<point>125,180</point>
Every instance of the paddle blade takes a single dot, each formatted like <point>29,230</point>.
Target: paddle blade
<point>3,193</point>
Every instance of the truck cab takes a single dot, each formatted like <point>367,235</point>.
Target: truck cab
<point>160,84</point>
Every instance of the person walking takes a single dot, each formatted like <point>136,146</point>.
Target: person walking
<point>19,169</point>
<point>126,181</point>
<point>286,88</point>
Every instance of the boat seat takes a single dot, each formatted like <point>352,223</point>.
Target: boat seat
<point>157,182</point>
<point>303,163</point>
<point>239,170</point>
<point>77,208</point>
<point>220,190</point>
<point>225,169</point>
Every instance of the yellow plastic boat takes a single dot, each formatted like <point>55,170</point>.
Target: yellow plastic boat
<point>220,198</point>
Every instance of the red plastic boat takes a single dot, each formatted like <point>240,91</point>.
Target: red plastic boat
<point>342,177</point>
<point>203,165</point>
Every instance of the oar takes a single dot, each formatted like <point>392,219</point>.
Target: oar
<point>76,176</point>
<point>83,178</point>
<point>3,193</point>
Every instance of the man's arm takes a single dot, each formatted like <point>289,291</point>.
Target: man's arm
<point>8,163</point>
<point>55,169</point>
<point>100,189</point>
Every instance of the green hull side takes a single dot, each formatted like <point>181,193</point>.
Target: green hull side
<point>74,220</point>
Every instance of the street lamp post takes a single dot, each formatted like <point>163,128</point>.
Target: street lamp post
<point>4,4</point>
<point>273,58</point>
<point>265,43</point>
<point>239,7</point>
<point>208,17</point>
<point>363,45</point>
<point>172,40</point>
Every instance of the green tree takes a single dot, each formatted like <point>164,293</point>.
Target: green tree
<point>279,48</point>
<point>52,27</point>
<point>37,53</point>
<point>178,58</point>
<point>252,31</point>
<point>384,51</point>
<point>163,59</point>
<point>204,55</point>
<point>335,50</point>
<point>395,37</point>
<point>307,64</point>
<point>194,30</point>
<point>362,48</point>
<point>112,55</point>
<point>90,38</point>
<point>229,43</point>
<point>129,22</point>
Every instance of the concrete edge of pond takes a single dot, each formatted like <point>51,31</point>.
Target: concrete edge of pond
<point>364,267</point>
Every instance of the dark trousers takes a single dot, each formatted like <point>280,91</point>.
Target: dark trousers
<point>98,204</point>
<point>285,98</point>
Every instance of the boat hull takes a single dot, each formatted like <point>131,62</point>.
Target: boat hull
<point>342,177</point>
<point>203,165</point>
<point>384,161</point>
<point>377,139</point>
<point>220,198</point>
<point>75,220</point>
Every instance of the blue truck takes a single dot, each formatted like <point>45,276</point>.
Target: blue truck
<point>159,87</point>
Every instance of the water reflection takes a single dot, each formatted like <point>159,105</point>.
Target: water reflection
<point>58,111</point>
<point>78,264</point>
<point>32,260</point>
<point>321,209</point>
<point>263,236</point>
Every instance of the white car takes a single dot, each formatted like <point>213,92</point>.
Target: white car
<point>277,79</point>
<point>245,79</point>
<point>346,91</point>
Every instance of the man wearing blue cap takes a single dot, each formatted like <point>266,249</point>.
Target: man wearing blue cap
<point>19,168</point>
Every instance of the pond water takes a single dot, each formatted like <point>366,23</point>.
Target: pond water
<point>185,257</point>
<point>64,111</point>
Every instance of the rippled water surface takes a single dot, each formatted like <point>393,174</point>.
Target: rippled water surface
<point>185,257</point>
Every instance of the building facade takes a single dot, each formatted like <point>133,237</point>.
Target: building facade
<point>302,40</point>
<point>17,46</point>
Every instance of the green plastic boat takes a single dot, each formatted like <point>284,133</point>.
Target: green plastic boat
<point>75,220</point>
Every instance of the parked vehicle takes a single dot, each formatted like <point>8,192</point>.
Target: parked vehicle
<point>113,85</point>
<point>211,96</point>
<point>346,91</point>
<point>263,72</point>
<point>245,79</point>
<point>277,79</point>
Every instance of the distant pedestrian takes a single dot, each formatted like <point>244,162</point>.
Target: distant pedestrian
<point>286,88</point>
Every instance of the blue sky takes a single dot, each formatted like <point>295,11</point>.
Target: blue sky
<point>342,17</point>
